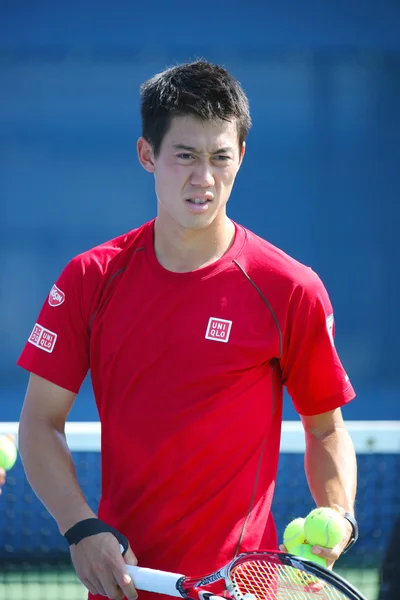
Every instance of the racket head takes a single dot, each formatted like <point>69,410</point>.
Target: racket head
<point>282,576</point>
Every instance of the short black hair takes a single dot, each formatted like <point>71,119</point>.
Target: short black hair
<point>199,88</point>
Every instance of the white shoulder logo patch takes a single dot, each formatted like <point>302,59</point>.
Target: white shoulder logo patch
<point>43,338</point>
<point>329,325</point>
<point>56,296</point>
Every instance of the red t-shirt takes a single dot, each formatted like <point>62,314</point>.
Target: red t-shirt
<point>188,372</point>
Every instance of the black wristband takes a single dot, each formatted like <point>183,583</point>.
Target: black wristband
<point>93,526</point>
<point>354,536</point>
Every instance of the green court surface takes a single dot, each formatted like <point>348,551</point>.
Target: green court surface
<point>55,584</point>
<point>365,580</point>
<point>43,584</point>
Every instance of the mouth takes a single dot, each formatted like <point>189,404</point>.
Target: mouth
<point>198,201</point>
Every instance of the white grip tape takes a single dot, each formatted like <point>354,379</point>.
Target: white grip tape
<point>151,580</point>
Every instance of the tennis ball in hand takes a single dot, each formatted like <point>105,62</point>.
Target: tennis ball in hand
<point>305,551</point>
<point>294,534</point>
<point>8,452</point>
<point>324,527</point>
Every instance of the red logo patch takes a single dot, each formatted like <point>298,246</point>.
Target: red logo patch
<point>56,296</point>
<point>43,338</point>
<point>218,330</point>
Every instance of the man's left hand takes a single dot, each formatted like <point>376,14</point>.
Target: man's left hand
<point>332,554</point>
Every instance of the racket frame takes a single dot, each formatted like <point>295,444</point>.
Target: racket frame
<point>179,586</point>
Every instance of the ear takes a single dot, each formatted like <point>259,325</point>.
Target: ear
<point>146,155</point>
<point>242,153</point>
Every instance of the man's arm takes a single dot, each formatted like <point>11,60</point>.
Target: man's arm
<point>330,466</point>
<point>45,455</point>
<point>50,470</point>
<point>330,460</point>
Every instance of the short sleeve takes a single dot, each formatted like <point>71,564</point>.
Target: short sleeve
<point>312,372</point>
<point>58,346</point>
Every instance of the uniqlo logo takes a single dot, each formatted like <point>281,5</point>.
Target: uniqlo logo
<point>218,330</point>
<point>43,338</point>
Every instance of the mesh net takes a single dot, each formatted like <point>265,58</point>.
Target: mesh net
<point>34,558</point>
<point>262,580</point>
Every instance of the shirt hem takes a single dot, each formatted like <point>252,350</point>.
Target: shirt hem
<point>49,377</point>
<point>336,401</point>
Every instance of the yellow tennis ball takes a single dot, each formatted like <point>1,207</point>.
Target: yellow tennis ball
<point>301,577</point>
<point>324,527</point>
<point>305,551</point>
<point>294,534</point>
<point>8,452</point>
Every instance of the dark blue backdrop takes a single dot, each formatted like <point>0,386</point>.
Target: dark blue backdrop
<point>321,177</point>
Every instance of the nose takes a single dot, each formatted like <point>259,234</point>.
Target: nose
<point>202,175</point>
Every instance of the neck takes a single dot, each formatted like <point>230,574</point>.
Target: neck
<point>182,250</point>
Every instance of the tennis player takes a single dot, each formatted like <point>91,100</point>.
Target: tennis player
<point>191,326</point>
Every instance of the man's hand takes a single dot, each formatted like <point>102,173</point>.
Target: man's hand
<point>331,554</point>
<point>101,567</point>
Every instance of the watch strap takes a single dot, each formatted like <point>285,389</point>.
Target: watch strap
<point>354,536</point>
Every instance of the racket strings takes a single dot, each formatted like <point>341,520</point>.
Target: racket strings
<point>263,580</point>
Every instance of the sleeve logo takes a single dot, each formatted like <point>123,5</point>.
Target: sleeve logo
<point>43,338</point>
<point>329,326</point>
<point>56,296</point>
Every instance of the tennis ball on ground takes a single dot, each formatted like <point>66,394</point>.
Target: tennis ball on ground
<point>324,527</point>
<point>294,534</point>
<point>8,452</point>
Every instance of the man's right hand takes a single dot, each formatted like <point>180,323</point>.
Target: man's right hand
<point>101,567</point>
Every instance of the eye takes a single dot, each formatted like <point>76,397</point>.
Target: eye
<point>185,156</point>
<point>222,158</point>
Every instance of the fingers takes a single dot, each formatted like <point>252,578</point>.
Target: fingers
<point>332,554</point>
<point>101,579</point>
<point>94,585</point>
<point>329,554</point>
<point>127,583</point>
<point>102,569</point>
<point>130,558</point>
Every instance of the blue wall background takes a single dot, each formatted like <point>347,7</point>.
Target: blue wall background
<point>321,177</point>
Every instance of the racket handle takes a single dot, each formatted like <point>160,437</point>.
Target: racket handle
<point>151,580</point>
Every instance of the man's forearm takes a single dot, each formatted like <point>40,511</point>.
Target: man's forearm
<point>50,471</point>
<point>331,469</point>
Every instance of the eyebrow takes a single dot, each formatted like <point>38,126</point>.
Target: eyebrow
<point>196,151</point>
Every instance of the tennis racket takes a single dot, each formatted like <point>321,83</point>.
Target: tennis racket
<point>252,576</point>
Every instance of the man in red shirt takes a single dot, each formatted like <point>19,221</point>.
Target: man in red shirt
<point>190,325</point>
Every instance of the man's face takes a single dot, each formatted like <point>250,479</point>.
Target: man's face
<point>194,170</point>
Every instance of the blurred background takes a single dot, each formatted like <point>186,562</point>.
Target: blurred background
<point>321,180</point>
